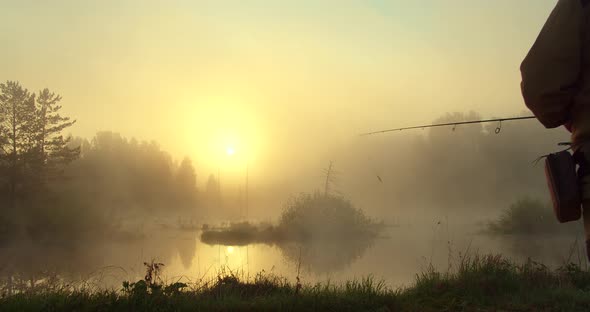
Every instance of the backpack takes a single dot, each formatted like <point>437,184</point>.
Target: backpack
<point>560,171</point>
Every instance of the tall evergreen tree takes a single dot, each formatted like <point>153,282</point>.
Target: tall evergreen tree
<point>31,144</point>
<point>186,178</point>
<point>186,185</point>
<point>54,150</point>
<point>212,187</point>
<point>213,194</point>
<point>17,106</point>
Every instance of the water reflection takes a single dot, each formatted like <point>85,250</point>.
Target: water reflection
<point>187,248</point>
<point>325,256</point>
<point>109,261</point>
<point>396,259</point>
<point>322,250</point>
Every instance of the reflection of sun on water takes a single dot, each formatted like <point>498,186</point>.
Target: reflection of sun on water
<point>230,249</point>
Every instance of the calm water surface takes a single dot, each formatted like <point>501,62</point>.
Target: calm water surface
<point>396,257</point>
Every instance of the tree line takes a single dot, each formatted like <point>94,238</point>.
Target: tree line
<point>55,185</point>
<point>33,149</point>
<point>466,173</point>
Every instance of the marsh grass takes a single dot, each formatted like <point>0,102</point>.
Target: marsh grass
<point>477,283</point>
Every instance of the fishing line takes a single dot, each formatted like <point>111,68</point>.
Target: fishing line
<point>571,147</point>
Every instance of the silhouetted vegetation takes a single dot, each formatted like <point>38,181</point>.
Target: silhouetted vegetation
<point>328,232</point>
<point>128,178</point>
<point>54,186</point>
<point>528,217</point>
<point>33,154</point>
<point>466,172</point>
<point>480,283</point>
<point>60,193</point>
<point>325,217</point>
<point>314,216</point>
<point>242,234</point>
<point>305,218</point>
<point>322,232</point>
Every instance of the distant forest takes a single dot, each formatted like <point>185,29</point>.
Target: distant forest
<point>53,185</point>
<point>468,172</point>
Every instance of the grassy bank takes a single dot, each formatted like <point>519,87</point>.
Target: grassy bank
<point>489,283</point>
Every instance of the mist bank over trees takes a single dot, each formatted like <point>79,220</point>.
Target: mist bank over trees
<point>466,172</point>
<point>126,178</point>
<point>51,183</point>
<point>53,186</point>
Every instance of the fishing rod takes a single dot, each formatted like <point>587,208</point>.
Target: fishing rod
<point>498,129</point>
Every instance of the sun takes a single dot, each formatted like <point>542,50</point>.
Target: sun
<point>230,249</point>
<point>230,151</point>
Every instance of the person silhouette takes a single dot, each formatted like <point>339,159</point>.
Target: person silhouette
<point>556,84</point>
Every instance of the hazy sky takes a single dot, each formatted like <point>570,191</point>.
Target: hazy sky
<point>274,79</point>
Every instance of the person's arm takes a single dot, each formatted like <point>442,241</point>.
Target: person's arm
<point>551,70</point>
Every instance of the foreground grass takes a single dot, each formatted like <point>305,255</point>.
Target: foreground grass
<point>488,283</point>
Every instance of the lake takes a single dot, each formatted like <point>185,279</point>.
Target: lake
<point>395,257</point>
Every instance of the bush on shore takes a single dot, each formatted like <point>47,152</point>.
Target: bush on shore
<point>528,216</point>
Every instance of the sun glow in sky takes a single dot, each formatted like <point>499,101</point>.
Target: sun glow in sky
<point>272,79</point>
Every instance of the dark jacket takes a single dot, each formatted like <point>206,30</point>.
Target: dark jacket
<point>556,71</point>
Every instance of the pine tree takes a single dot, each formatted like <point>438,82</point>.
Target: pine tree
<point>186,183</point>
<point>53,148</point>
<point>17,107</point>
<point>212,187</point>
<point>186,178</point>
<point>213,192</point>
<point>32,147</point>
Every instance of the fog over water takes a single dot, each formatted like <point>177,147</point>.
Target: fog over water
<point>430,213</point>
<point>224,135</point>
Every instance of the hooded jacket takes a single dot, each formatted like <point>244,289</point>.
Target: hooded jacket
<point>556,72</point>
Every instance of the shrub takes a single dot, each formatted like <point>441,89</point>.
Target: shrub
<point>320,216</point>
<point>528,216</point>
